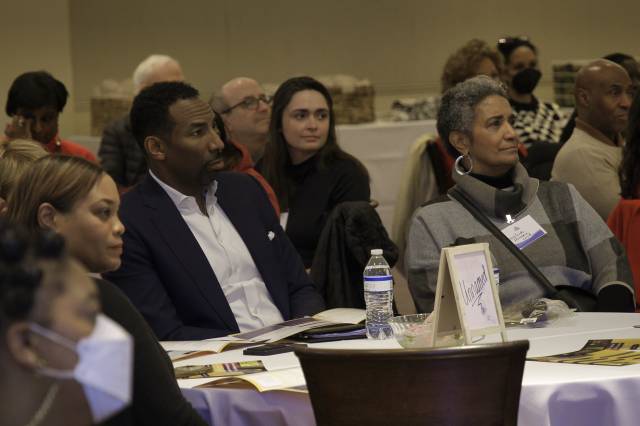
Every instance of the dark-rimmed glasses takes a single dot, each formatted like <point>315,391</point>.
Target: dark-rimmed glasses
<point>250,102</point>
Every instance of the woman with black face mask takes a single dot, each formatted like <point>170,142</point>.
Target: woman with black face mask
<point>536,121</point>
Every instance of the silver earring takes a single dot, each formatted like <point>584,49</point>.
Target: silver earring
<point>459,169</point>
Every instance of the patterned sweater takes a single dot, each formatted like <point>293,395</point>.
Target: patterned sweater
<point>538,121</point>
<point>578,249</point>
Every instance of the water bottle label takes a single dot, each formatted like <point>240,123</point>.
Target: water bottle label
<point>379,283</point>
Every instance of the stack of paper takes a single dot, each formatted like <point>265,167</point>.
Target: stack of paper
<point>266,373</point>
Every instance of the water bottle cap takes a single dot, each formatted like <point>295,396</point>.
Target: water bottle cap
<point>376,252</point>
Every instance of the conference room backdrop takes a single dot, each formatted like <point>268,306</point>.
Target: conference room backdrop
<point>400,45</point>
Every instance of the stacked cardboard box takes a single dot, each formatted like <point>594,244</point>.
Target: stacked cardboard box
<point>353,99</point>
<point>111,100</point>
<point>564,79</point>
<point>104,110</point>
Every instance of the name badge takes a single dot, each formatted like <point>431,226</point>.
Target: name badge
<point>524,232</point>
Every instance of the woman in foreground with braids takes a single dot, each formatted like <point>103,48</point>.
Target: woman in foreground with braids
<point>79,201</point>
<point>52,334</point>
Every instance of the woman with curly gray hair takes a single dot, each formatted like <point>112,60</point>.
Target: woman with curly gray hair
<point>564,237</point>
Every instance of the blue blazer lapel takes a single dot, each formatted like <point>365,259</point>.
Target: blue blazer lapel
<point>181,242</point>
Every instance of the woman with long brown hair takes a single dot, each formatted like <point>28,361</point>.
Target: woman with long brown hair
<point>304,164</point>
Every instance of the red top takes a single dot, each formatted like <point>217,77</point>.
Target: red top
<point>624,222</point>
<point>246,166</point>
<point>58,145</point>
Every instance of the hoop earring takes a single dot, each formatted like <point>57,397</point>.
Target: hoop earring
<point>458,168</point>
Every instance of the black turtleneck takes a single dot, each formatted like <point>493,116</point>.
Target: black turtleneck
<point>499,182</point>
<point>314,192</point>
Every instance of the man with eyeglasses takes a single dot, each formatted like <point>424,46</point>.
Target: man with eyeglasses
<point>246,111</point>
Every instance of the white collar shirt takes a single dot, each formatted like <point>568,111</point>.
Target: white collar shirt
<point>229,258</point>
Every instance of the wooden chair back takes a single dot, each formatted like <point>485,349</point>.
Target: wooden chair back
<point>470,385</point>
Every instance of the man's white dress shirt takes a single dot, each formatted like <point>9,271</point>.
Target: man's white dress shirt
<point>229,258</point>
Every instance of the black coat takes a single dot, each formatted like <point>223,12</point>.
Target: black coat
<point>352,230</point>
<point>156,398</point>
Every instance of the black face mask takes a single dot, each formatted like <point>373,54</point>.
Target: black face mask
<point>525,81</point>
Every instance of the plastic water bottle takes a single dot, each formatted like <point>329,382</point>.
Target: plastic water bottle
<point>378,296</point>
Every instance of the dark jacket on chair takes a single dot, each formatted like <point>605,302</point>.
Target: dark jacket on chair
<point>353,229</point>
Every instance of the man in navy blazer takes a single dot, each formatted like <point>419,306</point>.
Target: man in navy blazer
<point>187,222</point>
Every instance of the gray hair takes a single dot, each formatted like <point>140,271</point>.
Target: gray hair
<point>457,107</point>
<point>146,68</point>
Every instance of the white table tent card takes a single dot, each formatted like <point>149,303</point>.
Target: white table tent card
<point>467,302</point>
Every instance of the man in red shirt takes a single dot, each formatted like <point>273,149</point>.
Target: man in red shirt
<point>246,111</point>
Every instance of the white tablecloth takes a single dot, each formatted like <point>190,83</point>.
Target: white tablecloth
<point>569,394</point>
<point>383,147</point>
<point>552,394</point>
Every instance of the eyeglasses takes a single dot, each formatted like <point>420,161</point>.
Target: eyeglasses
<point>250,102</point>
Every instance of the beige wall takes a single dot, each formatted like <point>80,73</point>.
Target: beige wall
<point>399,45</point>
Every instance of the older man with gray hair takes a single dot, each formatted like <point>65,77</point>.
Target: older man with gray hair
<point>246,111</point>
<point>154,69</point>
<point>119,153</point>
